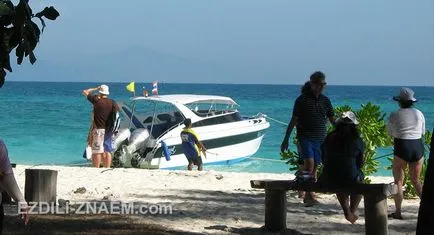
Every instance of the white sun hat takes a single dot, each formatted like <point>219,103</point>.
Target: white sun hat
<point>348,117</point>
<point>104,90</point>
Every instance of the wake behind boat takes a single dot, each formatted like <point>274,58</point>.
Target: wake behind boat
<point>150,131</point>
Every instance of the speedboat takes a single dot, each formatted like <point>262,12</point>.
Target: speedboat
<point>151,126</point>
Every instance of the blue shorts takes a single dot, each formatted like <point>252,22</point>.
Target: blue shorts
<point>196,160</point>
<point>311,149</point>
<point>108,142</point>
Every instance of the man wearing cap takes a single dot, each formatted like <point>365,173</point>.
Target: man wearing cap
<point>311,111</point>
<point>406,126</point>
<point>102,108</point>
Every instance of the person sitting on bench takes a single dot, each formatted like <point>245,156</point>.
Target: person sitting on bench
<point>342,154</point>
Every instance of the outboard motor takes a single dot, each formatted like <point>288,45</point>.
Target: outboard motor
<point>137,140</point>
<point>120,137</point>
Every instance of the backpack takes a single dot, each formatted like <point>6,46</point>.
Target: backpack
<point>114,120</point>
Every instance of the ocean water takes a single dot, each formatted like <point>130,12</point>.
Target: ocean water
<point>47,123</point>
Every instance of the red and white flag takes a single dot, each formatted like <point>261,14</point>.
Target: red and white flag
<point>155,88</point>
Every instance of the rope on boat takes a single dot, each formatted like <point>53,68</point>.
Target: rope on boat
<point>385,155</point>
<point>273,119</point>
<point>266,159</point>
<point>253,158</point>
<point>286,124</point>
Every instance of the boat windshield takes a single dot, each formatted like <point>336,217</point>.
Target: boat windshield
<point>166,116</point>
<point>211,109</point>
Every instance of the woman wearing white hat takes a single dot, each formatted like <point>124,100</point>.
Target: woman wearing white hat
<point>406,126</point>
<point>342,153</point>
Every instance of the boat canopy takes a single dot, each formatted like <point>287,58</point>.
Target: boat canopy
<point>188,99</point>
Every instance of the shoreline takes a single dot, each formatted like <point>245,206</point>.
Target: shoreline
<point>209,202</point>
<point>207,167</point>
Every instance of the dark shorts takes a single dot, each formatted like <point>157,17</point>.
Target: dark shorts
<point>408,150</point>
<point>311,149</point>
<point>196,160</point>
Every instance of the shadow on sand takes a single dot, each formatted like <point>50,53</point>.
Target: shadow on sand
<point>84,224</point>
<point>220,212</point>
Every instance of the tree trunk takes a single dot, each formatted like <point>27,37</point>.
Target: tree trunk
<point>425,219</point>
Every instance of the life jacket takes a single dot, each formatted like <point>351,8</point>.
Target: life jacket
<point>189,142</point>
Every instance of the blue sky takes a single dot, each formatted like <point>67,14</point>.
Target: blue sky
<point>369,42</point>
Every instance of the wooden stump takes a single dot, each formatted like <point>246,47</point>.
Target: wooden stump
<point>275,210</point>
<point>376,214</point>
<point>40,185</point>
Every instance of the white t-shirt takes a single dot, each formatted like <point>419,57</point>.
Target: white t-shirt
<point>407,124</point>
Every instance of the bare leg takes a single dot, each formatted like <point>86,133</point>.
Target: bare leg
<point>107,160</point>
<point>190,166</point>
<point>354,202</point>
<point>415,168</point>
<point>300,167</point>
<point>200,167</point>
<point>309,165</point>
<point>398,168</point>
<point>301,193</point>
<point>96,159</point>
<point>345,204</point>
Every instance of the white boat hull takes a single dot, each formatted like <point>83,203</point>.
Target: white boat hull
<point>226,135</point>
<point>223,155</point>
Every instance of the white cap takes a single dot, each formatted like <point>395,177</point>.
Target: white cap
<point>104,90</point>
<point>348,117</point>
<point>405,94</point>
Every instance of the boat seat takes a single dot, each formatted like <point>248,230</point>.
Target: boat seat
<point>148,120</point>
<point>165,117</point>
<point>157,129</point>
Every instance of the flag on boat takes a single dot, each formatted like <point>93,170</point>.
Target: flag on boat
<point>130,87</point>
<point>155,88</point>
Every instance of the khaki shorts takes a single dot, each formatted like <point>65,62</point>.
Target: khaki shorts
<point>98,141</point>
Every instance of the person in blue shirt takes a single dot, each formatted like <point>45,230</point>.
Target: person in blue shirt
<point>192,146</point>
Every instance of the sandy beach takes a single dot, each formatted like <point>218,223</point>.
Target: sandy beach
<point>207,202</point>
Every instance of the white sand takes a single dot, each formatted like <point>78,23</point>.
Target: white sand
<point>212,202</point>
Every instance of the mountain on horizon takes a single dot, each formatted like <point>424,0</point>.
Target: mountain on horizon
<point>131,64</point>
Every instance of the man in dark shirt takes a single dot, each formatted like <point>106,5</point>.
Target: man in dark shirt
<point>310,114</point>
<point>102,108</point>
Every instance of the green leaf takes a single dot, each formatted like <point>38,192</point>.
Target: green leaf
<point>4,9</point>
<point>32,57</point>
<point>49,13</point>
<point>22,14</point>
<point>19,52</point>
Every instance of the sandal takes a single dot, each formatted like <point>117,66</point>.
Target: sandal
<point>395,216</point>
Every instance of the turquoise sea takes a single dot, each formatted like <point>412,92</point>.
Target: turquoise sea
<point>47,122</point>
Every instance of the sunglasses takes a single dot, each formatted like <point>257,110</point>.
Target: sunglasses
<point>321,83</point>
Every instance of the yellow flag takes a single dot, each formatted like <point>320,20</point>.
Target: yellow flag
<point>130,87</point>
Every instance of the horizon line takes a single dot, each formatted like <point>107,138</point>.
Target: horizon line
<point>211,83</point>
